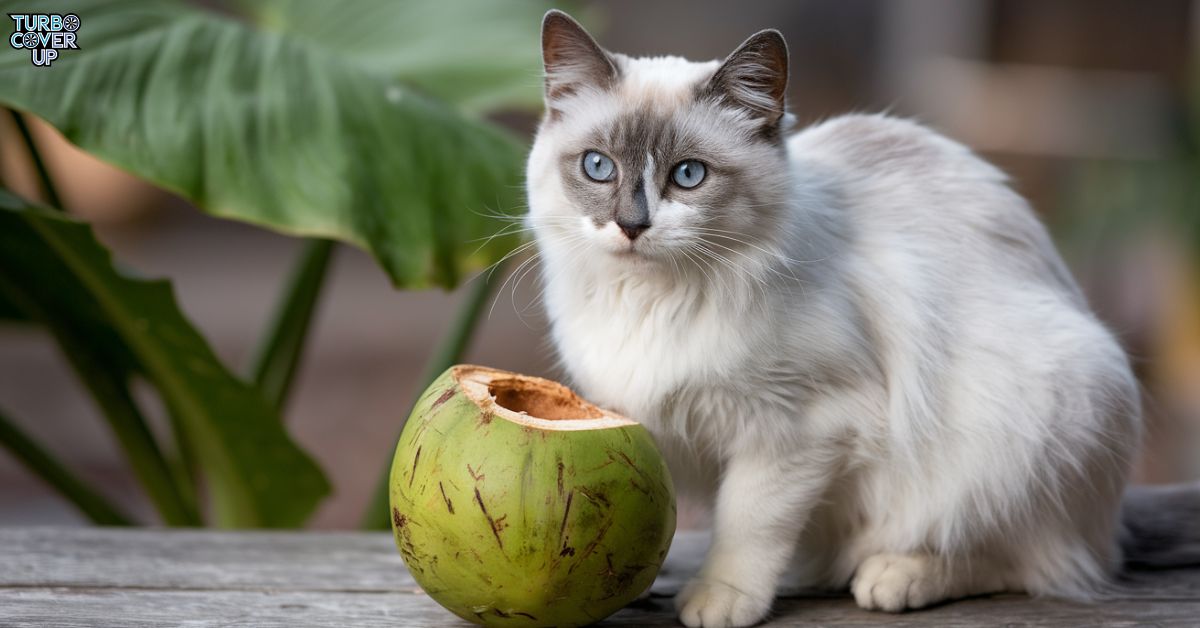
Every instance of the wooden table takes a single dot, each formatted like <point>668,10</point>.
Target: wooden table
<point>115,577</point>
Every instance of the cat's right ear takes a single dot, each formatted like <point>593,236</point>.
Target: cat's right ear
<point>754,78</point>
<point>572,59</point>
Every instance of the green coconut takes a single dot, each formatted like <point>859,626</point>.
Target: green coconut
<point>517,503</point>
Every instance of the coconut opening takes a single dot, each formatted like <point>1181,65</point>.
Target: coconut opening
<point>533,401</point>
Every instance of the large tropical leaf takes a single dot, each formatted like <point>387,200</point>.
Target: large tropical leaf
<point>293,131</point>
<point>479,54</point>
<point>254,473</point>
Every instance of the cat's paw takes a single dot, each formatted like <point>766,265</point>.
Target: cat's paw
<point>896,582</point>
<point>714,604</point>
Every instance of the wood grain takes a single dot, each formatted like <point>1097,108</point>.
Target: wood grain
<point>60,577</point>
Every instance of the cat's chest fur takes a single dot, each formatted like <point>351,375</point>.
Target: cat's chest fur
<point>630,345</point>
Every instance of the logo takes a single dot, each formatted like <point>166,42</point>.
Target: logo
<point>44,34</point>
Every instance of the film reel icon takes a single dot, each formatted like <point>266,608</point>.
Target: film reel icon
<point>70,22</point>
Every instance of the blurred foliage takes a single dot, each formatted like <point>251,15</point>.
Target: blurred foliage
<point>125,327</point>
<point>355,122</point>
<point>1110,203</point>
<point>315,132</point>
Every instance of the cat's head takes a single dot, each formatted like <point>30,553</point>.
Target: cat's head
<point>655,159</point>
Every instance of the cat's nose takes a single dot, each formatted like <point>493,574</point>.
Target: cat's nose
<point>632,229</point>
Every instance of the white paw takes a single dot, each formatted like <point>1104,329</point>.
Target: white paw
<point>717,605</point>
<point>894,582</point>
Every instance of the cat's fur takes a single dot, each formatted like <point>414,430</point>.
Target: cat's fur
<point>857,339</point>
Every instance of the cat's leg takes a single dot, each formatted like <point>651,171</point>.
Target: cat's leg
<point>898,582</point>
<point>760,508</point>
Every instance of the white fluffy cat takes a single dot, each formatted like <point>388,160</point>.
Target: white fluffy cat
<point>856,338</point>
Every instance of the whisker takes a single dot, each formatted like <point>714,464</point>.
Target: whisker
<point>509,278</point>
<point>791,275</point>
<point>726,234</point>
<point>573,255</point>
<point>516,251</point>
<point>739,270</point>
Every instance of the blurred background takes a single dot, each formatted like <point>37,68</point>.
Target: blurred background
<point>1092,108</point>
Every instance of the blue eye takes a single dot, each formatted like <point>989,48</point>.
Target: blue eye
<point>598,167</point>
<point>688,174</point>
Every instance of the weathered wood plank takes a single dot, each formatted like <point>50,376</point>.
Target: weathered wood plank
<point>205,560</point>
<point>195,559</point>
<point>79,607</point>
<point>108,577</point>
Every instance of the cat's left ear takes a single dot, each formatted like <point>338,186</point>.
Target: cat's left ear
<point>754,77</point>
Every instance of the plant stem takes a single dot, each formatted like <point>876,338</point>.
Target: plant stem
<point>35,156</point>
<point>448,352</point>
<point>43,464</point>
<point>185,467</point>
<point>278,355</point>
<point>131,430</point>
<point>110,388</point>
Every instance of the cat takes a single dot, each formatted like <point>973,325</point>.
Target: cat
<point>856,340</point>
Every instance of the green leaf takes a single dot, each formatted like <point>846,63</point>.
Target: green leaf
<point>254,473</point>
<point>479,54</point>
<point>45,293</point>
<point>270,127</point>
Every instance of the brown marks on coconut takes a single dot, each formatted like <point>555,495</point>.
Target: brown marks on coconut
<point>562,527</point>
<point>495,524</point>
<point>624,458</point>
<point>404,539</point>
<point>485,418</point>
<point>595,497</point>
<point>593,544</point>
<point>412,474</point>
<point>475,475</point>
<point>641,489</point>
<point>421,428</point>
<point>559,463</point>
<point>565,549</point>
<point>627,461</point>
<point>527,488</point>
<point>608,571</point>
<point>445,396</point>
<point>449,504</point>
<point>611,577</point>
<point>617,581</point>
<point>603,464</point>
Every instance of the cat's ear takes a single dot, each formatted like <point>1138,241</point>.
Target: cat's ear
<point>754,77</point>
<point>571,57</point>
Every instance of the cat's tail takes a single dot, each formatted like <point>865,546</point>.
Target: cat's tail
<point>1161,525</point>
